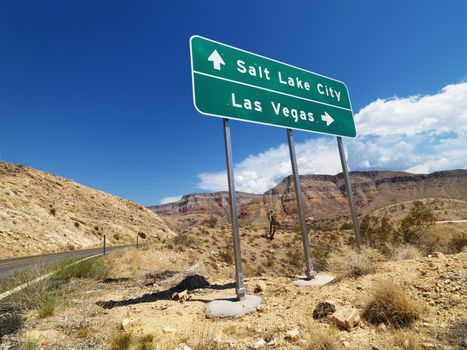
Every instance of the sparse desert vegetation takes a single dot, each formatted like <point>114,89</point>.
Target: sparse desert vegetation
<point>351,263</point>
<point>321,338</point>
<point>131,291</point>
<point>404,289</point>
<point>390,304</point>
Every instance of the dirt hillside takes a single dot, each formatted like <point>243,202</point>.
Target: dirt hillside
<point>41,212</point>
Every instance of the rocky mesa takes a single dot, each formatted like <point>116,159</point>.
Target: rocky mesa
<point>325,196</point>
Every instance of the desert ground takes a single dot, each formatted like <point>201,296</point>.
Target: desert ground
<point>145,298</point>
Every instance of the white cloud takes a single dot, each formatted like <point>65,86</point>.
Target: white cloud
<point>166,200</point>
<point>418,134</point>
<point>258,173</point>
<point>444,111</point>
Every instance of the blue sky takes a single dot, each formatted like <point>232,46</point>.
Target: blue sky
<point>100,91</point>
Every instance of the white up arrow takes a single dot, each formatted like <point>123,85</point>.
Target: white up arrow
<point>327,118</point>
<point>216,60</point>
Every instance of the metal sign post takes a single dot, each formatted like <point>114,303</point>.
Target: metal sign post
<point>348,187</point>
<point>103,239</point>
<point>240,286</point>
<point>232,83</point>
<point>310,272</point>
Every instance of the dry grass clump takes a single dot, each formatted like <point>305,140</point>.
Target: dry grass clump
<point>185,239</point>
<point>135,263</point>
<point>294,256</point>
<point>199,338</point>
<point>403,340</point>
<point>145,342</point>
<point>30,297</point>
<point>321,338</point>
<point>46,294</point>
<point>390,304</point>
<point>226,253</point>
<point>92,269</point>
<point>405,252</point>
<point>47,306</point>
<point>120,341</point>
<point>351,263</point>
<point>29,344</point>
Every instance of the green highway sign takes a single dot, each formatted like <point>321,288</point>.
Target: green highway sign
<point>236,84</point>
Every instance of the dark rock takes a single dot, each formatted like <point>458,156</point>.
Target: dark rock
<point>11,320</point>
<point>192,282</point>
<point>324,309</point>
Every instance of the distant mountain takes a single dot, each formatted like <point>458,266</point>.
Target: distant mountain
<point>41,212</point>
<point>203,203</point>
<point>325,196</point>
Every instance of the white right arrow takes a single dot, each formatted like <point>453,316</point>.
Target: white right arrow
<point>327,118</point>
<point>216,59</point>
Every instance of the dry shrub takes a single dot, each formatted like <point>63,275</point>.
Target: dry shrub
<point>390,304</point>
<point>457,243</point>
<point>200,338</point>
<point>405,340</point>
<point>320,338</point>
<point>226,253</point>
<point>405,252</point>
<point>253,270</point>
<point>82,332</point>
<point>145,342</point>
<point>294,255</point>
<point>120,341</point>
<point>185,240</point>
<point>136,263</point>
<point>351,263</point>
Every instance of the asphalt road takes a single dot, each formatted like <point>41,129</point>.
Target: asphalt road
<point>7,266</point>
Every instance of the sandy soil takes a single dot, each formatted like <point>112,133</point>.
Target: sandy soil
<point>438,282</point>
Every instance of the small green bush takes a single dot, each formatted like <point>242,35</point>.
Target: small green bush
<point>29,345</point>
<point>346,226</point>
<point>416,223</point>
<point>457,243</point>
<point>377,232</point>
<point>91,268</point>
<point>47,306</point>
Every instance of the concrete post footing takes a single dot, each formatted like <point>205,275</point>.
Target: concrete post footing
<point>232,307</point>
